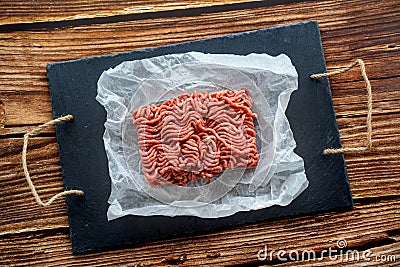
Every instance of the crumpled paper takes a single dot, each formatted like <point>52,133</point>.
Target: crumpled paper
<point>279,176</point>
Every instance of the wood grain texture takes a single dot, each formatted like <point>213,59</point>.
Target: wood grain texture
<point>366,224</point>
<point>350,29</point>
<point>24,55</point>
<point>19,211</point>
<point>47,10</point>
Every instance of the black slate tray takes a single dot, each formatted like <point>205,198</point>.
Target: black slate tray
<point>73,87</point>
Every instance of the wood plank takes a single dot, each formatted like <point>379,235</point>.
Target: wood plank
<point>348,31</point>
<point>367,224</point>
<point>371,175</point>
<point>19,211</point>
<point>46,10</point>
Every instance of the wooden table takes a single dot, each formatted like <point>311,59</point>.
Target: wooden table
<point>33,34</point>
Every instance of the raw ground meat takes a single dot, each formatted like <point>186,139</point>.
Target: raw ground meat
<point>196,136</point>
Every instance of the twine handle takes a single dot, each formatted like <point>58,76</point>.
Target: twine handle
<point>369,104</point>
<point>34,132</point>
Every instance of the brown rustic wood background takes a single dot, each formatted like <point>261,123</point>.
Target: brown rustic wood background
<point>35,33</point>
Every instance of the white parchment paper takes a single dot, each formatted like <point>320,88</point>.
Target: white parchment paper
<point>279,176</point>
